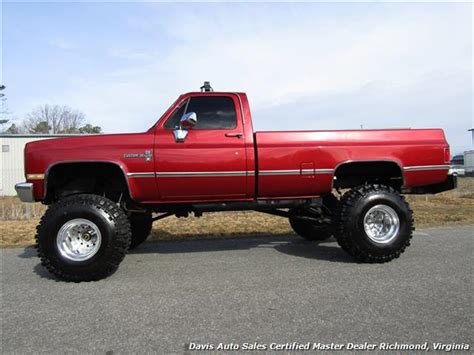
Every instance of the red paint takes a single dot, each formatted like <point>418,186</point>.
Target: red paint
<point>205,151</point>
<point>329,149</point>
<point>211,150</point>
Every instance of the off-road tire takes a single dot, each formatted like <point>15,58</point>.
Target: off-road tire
<point>141,224</point>
<point>316,231</point>
<point>350,233</point>
<point>114,227</point>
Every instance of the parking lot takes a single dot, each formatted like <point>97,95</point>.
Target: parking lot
<point>166,295</point>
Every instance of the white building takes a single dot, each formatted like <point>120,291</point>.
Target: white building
<point>12,159</point>
<point>469,157</point>
<point>469,162</point>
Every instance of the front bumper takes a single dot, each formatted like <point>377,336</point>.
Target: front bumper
<point>25,191</point>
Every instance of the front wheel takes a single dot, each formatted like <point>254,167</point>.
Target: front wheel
<point>141,224</point>
<point>311,230</point>
<point>374,224</point>
<point>83,238</point>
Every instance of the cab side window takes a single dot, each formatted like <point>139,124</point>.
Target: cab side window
<point>213,112</point>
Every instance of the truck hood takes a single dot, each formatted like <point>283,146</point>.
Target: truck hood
<point>40,155</point>
<point>62,143</point>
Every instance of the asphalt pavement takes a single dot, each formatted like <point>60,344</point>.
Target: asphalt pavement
<point>272,289</point>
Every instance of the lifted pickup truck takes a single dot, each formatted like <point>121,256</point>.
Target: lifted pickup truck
<point>202,155</point>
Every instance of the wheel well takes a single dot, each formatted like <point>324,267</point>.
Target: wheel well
<point>357,173</point>
<point>105,179</point>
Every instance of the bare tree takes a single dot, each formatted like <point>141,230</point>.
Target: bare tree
<point>4,112</point>
<point>3,100</point>
<point>90,129</point>
<point>13,129</point>
<point>55,119</point>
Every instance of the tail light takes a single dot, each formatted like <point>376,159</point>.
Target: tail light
<point>447,155</point>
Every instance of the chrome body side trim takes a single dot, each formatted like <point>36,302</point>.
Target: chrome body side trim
<point>141,175</point>
<point>296,172</point>
<point>238,173</point>
<point>280,172</point>
<point>323,171</point>
<point>307,171</point>
<point>25,191</point>
<point>426,167</point>
<point>200,173</point>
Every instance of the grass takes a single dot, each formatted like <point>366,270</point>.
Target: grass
<point>18,220</point>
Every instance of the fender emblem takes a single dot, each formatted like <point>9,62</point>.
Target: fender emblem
<point>147,155</point>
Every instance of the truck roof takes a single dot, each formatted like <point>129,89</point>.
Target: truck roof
<point>213,93</point>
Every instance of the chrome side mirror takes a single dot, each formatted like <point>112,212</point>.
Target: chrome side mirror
<point>186,122</point>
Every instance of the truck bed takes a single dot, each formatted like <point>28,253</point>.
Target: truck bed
<point>304,162</point>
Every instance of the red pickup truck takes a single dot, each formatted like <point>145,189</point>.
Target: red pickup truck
<point>202,155</point>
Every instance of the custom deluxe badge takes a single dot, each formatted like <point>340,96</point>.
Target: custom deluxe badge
<point>147,155</point>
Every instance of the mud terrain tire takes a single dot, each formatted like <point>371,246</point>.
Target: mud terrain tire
<point>87,218</point>
<point>374,223</point>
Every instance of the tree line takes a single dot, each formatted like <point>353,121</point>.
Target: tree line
<point>48,119</point>
<point>54,119</point>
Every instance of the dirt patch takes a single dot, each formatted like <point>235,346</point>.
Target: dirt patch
<point>450,207</point>
<point>18,220</point>
<point>17,233</point>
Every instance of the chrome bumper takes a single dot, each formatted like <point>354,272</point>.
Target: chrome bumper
<point>25,191</point>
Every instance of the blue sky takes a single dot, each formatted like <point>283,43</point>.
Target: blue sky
<point>304,66</point>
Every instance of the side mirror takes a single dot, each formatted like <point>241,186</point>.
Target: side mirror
<point>186,122</point>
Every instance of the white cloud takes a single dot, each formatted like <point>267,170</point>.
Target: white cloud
<point>62,43</point>
<point>392,66</point>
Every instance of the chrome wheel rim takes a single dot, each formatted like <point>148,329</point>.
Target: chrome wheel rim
<point>381,224</point>
<point>78,239</point>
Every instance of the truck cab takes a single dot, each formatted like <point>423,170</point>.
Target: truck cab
<point>216,153</point>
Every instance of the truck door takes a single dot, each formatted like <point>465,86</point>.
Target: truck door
<point>210,164</point>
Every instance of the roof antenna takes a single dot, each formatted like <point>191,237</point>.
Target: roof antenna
<point>207,87</point>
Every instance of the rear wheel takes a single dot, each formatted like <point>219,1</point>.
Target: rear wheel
<point>302,220</point>
<point>375,223</point>
<point>83,238</point>
<point>141,224</point>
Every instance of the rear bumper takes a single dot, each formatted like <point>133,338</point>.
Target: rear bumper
<point>25,191</point>
<point>449,184</point>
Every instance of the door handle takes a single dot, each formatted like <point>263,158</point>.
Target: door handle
<point>237,135</point>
